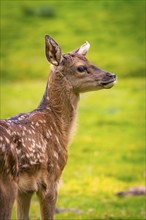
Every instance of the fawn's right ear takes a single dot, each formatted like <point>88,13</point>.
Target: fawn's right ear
<point>53,51</point>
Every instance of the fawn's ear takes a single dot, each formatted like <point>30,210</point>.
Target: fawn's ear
<point>53,51</point>
<point>83,49</point>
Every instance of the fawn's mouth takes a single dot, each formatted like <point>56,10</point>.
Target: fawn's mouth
<point>109,84</point>
<point>108,81</point>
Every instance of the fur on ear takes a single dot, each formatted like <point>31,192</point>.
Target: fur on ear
<point>82,49</point>
<point>53,51</point>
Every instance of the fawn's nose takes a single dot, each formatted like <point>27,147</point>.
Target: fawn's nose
<point>111,75</point>
<point>114,76</point>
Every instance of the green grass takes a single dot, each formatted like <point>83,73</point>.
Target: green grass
<point>107,154</point>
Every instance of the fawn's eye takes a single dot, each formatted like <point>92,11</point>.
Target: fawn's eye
<point>81,69</point>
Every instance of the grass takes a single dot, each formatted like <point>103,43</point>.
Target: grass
<point>107,154</point>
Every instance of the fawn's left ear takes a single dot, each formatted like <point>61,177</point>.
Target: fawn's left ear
<point>53,51</point>
<point>82,49</point>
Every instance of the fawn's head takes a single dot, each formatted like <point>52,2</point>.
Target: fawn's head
<point>81,74</point>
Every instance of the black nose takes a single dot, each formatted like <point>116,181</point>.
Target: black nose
<point>114,75</point>
<point>111,75</point>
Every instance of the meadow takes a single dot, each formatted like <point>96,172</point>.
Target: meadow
<point>107,153</point>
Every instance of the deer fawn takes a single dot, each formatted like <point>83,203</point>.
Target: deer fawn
<point>33,146</point>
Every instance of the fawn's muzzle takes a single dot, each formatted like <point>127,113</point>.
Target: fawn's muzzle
<point>108,80</point>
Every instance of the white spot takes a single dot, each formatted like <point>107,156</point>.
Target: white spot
<point>39,146</point>
<point>18,151</point>
<point>29,132</point>
<point>12,146</point>
<point>22,117</point>
<point>56,155</point>
<point>25,165</point>
<point>27,155</point>
<point>22,142</point>
<point>8,131</point>
<point>33,150</point>
<point>48,108</point>
<point>33,131</point>
<point>3,148</point>
<point>33,145</point>
<point>38,156</point>
<point>7,140</point>
<point>32,126</point>
<point>57,139</point>
<point>1,138</point>
<point>37,124</point>
<point>33,140</point>
<point>33,162</point>
<point>49,132</point>
<point>31,155</point>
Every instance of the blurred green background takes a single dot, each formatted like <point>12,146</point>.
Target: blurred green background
<point>107,154</point>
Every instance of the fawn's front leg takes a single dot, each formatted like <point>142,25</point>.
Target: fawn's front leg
<point>47,204</point>
<point>23,204</point>
<point>8,191</point>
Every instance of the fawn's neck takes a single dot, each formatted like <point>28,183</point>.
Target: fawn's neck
<point>60,98</point>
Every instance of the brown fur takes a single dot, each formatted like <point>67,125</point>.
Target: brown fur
<point>33,146</point>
